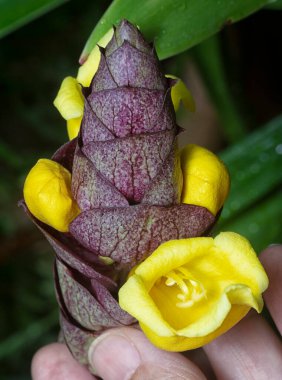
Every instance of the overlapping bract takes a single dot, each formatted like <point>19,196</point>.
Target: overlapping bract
<point>127,182</point>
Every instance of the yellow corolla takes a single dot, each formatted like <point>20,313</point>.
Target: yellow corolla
<point>190,291</point>
<point>206,180</point>
<point>47,193</point>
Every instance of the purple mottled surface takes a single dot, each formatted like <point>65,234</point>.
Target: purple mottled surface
<point>126,148</point>
<point>77,339</point>
<point>65,154</point>
<point>81,302</point>
<point>128,235</point>
<point>127,182</point>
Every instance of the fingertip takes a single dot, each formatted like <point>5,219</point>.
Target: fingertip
<point>43,360</point>
<point>55,362</point>
<point>113,356</point>
<point>124,353</point>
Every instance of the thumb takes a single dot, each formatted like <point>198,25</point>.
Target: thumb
<point>125,353</point>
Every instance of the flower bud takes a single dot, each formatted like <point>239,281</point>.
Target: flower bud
<point>47,193</point>
<point>206,179</point>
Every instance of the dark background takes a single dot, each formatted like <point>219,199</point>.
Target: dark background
<point>33,62</point>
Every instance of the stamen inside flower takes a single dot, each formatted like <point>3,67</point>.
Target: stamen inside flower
<point>191,291</point>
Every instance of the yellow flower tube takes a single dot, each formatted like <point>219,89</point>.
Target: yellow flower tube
<point>190,291</point>
<point>47,193</point>
<point>206,180</point>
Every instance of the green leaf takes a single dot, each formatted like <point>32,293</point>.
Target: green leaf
<point>214,73</point>
<point>261,224</point>
<point>254,205</point>
<point>255,166</point>
<point>275,5</point>
<point>173,25</point>
<point>32,332</point>
<point>15,13</point>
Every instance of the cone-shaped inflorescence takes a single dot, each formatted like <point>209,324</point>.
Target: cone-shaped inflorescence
<point>127,181</point>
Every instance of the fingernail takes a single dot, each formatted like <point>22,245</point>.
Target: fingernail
<point>113,356</point>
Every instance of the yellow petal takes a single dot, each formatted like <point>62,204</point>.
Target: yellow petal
<point>210,321</point>
<point>134,298</point>
<point>70,101</point>
<point>47,193</point>
<point>170,255</point>
<point>73,126</point>
<point>190,291</point>
<point>199,319</point>
<point>205,178</point>
<point>182,343</point>
<point>179,92</point>
<point>240,254</point>
<point>239,294</point>
<point>87,71</point>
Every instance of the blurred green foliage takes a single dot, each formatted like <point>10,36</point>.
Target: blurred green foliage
<point>16,13</point>
<point>174,25</point>
<point>241,69</point>
<point>254,206</point>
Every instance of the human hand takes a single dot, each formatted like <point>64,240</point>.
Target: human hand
<point>250,350</point>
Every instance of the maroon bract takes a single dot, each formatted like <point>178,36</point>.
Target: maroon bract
<point>126,179</point>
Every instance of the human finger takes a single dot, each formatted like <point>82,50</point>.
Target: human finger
<point>271,259</point>
<point>56,362</point>
<point>250,350</point>
<point>125,353</point>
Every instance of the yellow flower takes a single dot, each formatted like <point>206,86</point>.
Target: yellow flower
<point>47,193</point>
<point>180,93</point>
<point>190,291</point>
<point>87,71</point>
<point>206,180</point>
<point>69,100</point>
